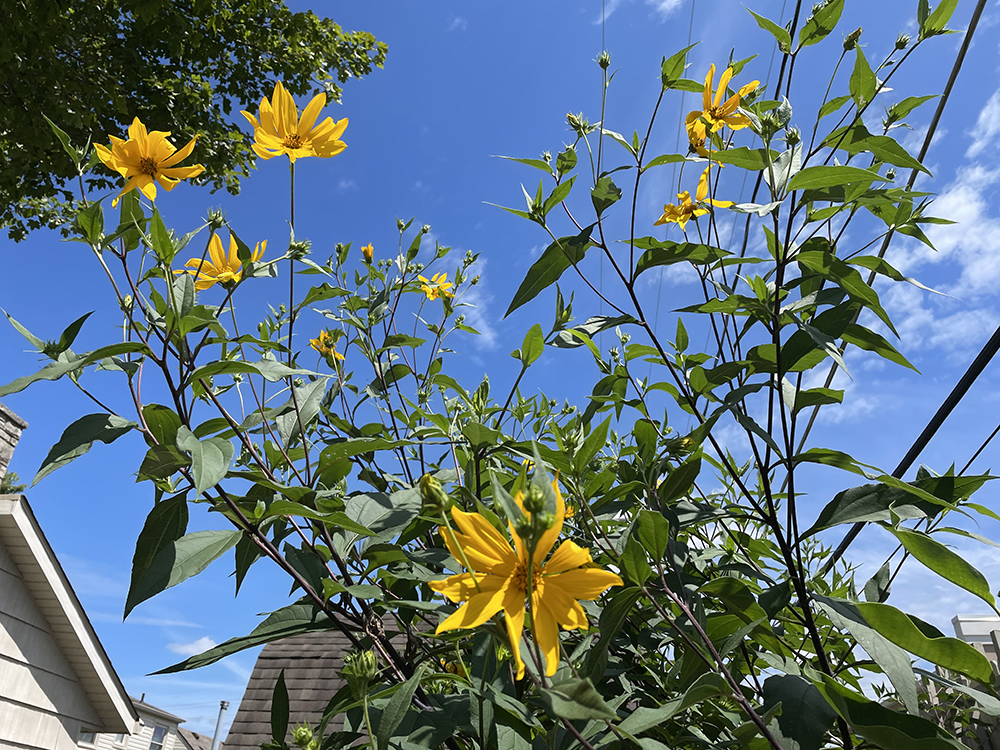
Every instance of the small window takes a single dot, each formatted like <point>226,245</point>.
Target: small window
<point>86,738</point>
<point>120,739</point>
<point>159,735</point>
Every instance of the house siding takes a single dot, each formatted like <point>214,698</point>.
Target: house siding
<point>42,704</point>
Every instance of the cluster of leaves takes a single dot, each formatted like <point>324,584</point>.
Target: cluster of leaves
<point>734,627</point>
<point>181,66</point>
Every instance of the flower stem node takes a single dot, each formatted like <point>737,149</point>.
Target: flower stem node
<point>435,501</point>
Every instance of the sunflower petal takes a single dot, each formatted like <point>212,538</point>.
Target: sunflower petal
<point>180,154</point>
<point>564,608</point>
<point>546,631</point>
<point>310,113</point>
<point>548,539</point>
<point>475,612</point>
<point>567,556</point>
<point>584,583</point>
<point>706,95</point>
<point>484,537</point>
<point>513,611</point>
<point>723,84</point>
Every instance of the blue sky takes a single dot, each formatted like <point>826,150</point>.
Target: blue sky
<point>463,82</point>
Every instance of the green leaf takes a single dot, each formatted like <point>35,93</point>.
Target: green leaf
<point>546,271</point>
<point>987,703</point>
<point>35,341</point>
<point>863,83</point>
<point>634,562</point>
<point>162,422</point>
<point>605,194</point>
<point>568,338</point>
<point>885,727</point>
<point>833,105</point>
<point>515,516</point>
<point>780,33</point>
<point>63,138</point>
<point>864,338</point>
<point>663,159</point>
<point>210,458</point>
<point>559,193</point>
<point>805,714</point>
<point>577,700</point>
<point>90,222</point>
<point>819,25</point>
<point>165,524</point>
<point>536,163</point>
<point>754,159</point>
<point>938,19</point>
<point>872,502</point>
<point>814,178</point>
<point>679,481</point>
<point>947,564</point>
<point>950,653</point>
<point>613,618</point>
<point>480,435</point>
<point>159,239</point>
<point>348,448</point>
<point>287,621</point>
<point>891,658</point>
<point>178,561</point>
<point>653,532</point>
<point>566,161</point>
<point>279,710</point>
<point>594,443</point>
<point>399,705</point>
<point>857,139</point>
<point>672,68</point>
<point>533,346</point>
<point>707,686</point>
<point>665,253</point>
<point>160,462</point>
<point>71,363</point>
<point>79,437</point>
<point>879,585</point>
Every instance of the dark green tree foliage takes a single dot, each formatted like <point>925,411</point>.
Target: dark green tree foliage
<point>184,66</point>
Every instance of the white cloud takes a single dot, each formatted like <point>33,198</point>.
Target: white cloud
<point>913,141</point>
<point>139,620</point>
<point>478,314</point>
<point>345,185</point>
<point>662,8</point>
<point>459,24</point>
<point>987,126</point>
<point>190,649</point>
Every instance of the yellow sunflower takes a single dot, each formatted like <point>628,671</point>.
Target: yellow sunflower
<point>714,112</point>
<point>278,129</point>
<point>499,581</point>
<point>437,286</point>
<point>147,158</point>
<point>326,345</point>
<point>690,209</point>
<point>219,268</point>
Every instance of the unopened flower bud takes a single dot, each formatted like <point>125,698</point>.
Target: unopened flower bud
<point>215,219</point>
<point>435,500</point>
<point>298,249</point>
<point>460,319</point>
<point>360,668</point>
<point>792,136</point>
<point>425,229</point>
<point>547,157</point>
<point>890,174</point>
<point>126,303</point>
<point>604,60</point>
<point>302,735</point>
<point>534,501</point>
<point>475,280</point>
<point>902,41</point>
<point>851,40</point>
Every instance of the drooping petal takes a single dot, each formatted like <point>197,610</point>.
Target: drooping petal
<point>475,612</point>
<point>702,193</point>
<point>545,630</point>
<point>183,173</point>
<point>513,611</point>
<point>234,258</point>
<point>329,148</point>
<point>584,583</point>
<point>567,556</point>
<point>146,184</point>
<point>167,183</point>
<point>484,562</point>
<point>566,610</point>
<point>252,120</point>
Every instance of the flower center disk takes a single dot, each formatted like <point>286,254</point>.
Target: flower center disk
<point>292,141</point>
<point>147,165</point>
<point>520,577</point>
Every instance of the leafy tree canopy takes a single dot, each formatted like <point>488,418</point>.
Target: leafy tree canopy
<point>184,66</point>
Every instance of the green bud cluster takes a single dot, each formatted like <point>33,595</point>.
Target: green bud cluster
<point>435,501</point>
<point>304,737</point>
<point>851,40</point>
<point>360,668</point>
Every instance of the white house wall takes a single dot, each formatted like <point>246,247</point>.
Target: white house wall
<point>42,704</point>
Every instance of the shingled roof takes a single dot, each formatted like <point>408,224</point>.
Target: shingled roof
<point>312,662</point>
